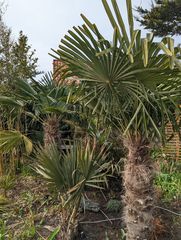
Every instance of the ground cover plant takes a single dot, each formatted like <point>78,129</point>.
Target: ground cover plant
<point>76,158</point>
<point>168,177</point>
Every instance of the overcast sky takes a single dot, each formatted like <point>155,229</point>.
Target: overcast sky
<point>45,22</point>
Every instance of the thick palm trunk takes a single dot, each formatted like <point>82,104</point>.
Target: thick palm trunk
<point>139,194</point>
<point>51,131</point>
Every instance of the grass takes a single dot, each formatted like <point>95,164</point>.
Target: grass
<point>169,180</point>
<point>170,185</point>
<point>30,211</point>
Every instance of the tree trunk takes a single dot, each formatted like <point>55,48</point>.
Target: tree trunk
<point>1,165</point>
<point>139,193</point>
<point>51,131</point>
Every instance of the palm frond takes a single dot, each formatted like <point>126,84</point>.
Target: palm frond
<point>122,78</point>
<point>11,139</point>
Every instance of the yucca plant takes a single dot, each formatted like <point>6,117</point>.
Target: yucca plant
<point>135,83</point>
<point>80,166</point>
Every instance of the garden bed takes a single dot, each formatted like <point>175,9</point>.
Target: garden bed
<point>31,211</point>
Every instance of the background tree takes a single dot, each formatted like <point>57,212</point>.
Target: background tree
<point>17,59</point>
<point>23,58</point>
<point>164,17</point>
<point>5,53</point>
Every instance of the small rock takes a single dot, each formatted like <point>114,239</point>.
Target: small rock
<point>89,206</point>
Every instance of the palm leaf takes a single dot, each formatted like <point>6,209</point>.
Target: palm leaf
<point>11,139</point>
<point>120,76</point>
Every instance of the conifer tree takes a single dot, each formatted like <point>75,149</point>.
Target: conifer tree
<point>17,59</point>
<point>164,17</point>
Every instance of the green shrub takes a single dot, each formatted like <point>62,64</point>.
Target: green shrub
<point>170,184</point>
<point>169,179</point>
<point>114,205</point>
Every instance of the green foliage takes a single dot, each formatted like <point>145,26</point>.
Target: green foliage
<point>123,235</point>
<point>54,234</point>
<point>169,179</point>
<point>163,19</point>
<point>38,99</point>
<point>71,171</point>
<point>4,203</point>
<point>6,183</point>
<point>9,140</point>
<point>23,59</point>
<point>17,60</point>
<point>26,170</point>
<point>114,205</point>
<point>25,113</point>
<point>2,230</point>
<point>170,185</point>
<point>29,229</point>
<point>127,80</point>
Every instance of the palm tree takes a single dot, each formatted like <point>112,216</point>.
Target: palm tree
<point>36,107</point>
<point>135,83</point>
<point>44,102</point>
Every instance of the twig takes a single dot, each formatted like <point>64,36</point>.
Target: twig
<point>106,216</point>
<point>104,220</point>
<point>40,235</point>
<point>103,195</point>
<point>165,209</point>
<point>14,225</point>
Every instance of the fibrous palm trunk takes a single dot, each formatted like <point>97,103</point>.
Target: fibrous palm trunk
<point>139,194</point>
<point>51,131</point>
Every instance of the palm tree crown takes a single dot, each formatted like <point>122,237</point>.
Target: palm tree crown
<point>129,78</point>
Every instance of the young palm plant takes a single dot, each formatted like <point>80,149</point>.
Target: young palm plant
<point>49,103</point>
<point>135,83</point>
<point>72,171</point>
<point>44,102</point>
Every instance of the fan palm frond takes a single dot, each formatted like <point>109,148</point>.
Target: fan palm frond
<point>122,78</point>
<point>11,139</point>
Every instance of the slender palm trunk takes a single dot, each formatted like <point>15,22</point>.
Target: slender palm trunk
<point>139,194</point>
<point>1,155</point>
<point>51,131</point>
<point>1,165</point>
